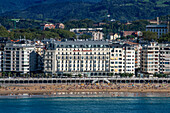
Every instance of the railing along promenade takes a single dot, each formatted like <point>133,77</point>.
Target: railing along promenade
<point>81,80</point>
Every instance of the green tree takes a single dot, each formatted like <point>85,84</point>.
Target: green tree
<point>85,36</point>
<point>130,36</point>
<point>9,74</point>
<point>123,74</point>
<point>165,38</point>
<point>3,32</point>
<point>110,74</point>
<point>69,75</point>
<point>79,75</point>
<point>3,74</point>
<point>148,35</point>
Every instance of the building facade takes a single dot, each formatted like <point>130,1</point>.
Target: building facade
<point>150,58</point>
<point>155,58</point>
<point>88,57</point>
<point>164,58</point>
<point>122,59</point>
<point>97,35</point>
<point>159,29</point>
<point>116,59</point>
<point>17,58</point>
<point>78,56</point>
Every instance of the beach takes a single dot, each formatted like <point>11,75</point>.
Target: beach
<point>83,89</point>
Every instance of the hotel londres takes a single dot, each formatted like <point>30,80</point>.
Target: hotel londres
<point>89,57</point>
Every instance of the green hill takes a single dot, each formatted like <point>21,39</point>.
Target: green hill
<point>11,5</point>
<point>117,9</point>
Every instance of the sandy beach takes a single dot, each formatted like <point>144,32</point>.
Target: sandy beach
<point>53,89</point>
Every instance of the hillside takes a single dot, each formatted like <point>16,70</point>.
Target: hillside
<point>118,9</point>
<point>11,5</point>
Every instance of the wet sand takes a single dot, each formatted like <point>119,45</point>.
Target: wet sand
<point>86,90</point>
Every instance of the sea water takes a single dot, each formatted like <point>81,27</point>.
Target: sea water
<point>86,105</point>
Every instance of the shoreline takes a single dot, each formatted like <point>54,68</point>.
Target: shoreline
<point>90,94</point>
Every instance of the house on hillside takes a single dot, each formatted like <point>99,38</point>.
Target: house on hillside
<point>59,25</point>
<point>49,26</point>
<point>127,33</point>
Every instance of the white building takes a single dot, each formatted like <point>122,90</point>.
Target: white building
<point>112,36</point>
<point>164,60</point>
<point>17,58</point>
<point>122,59</point>
<point>97,35</point>
<point>150,58</point>
<point>77,56</point>
<point>88,57</point>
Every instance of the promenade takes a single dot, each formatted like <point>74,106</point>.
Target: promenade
<point>81,80</point>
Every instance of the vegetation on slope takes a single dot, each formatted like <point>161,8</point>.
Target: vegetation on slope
<point>117,9</point>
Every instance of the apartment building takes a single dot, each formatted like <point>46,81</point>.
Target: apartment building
<point>97,35</point>
<point>77,56</point>
<point>150,58</point>
<point>164,58</point>
<point>129,59</point>
<point>138,49</point>
<point>18,57</point>
<point>122,59</point>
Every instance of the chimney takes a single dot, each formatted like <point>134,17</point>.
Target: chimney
<point>157,20</point>
<point>168,25</point>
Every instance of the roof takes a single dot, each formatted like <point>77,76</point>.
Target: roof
<point>116,45</point>
<point>132,43</point>
<point>126,33</point>
<point>81,43</point>
<point>156,26</point>
<point>78,44</point>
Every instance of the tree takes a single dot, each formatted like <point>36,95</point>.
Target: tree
<point>55,75</point>
<point>3,74</point>
<point>123,75</point>
<point>130,36</point>
<point>14,75</point>
<point>130,74</point>
<point>165,38</point>
<point>110,74</point>
<point>32,74</point>
<point>79,75</point>
<point>9,74</point>
<point>3,32</point>
<point>69,75</point>
<point>85,36</point>
<point>150,36</point>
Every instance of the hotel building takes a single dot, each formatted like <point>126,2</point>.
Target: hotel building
<point>77,56</point>
<point>88,57</point>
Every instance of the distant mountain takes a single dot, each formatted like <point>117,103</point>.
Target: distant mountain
<point>11,5</point>
<point>76,9</point>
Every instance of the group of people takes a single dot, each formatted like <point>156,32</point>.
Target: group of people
<point>87,87</point>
